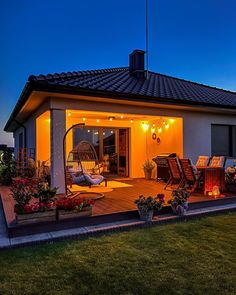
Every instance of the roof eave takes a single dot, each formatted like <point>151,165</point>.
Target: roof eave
<point>45,87</point>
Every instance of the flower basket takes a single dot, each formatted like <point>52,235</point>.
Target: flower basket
<point>36,217</point>
<point>146,215</point>
<point>146,206</point>
<point>66,214</point>
<point>74,208</point>
<point>178,201</point>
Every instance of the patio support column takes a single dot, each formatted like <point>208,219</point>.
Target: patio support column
<point>58,129</point>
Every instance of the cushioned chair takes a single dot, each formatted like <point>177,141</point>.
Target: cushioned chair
<point>217,162</point>
<point>202,161</point>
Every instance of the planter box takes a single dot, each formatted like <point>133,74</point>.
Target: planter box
<point>66,214</point>
<point>36,217</point>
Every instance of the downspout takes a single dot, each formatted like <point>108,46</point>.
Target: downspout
<point>25,134</point>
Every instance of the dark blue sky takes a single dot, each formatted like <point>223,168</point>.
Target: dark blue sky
<point>194,40</point>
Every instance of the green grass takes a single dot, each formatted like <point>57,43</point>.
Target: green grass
<point>194,257</point>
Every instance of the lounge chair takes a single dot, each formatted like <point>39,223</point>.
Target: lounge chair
<point>176,176</point>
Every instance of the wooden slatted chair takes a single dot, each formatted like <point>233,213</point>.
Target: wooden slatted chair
<point>191,174</point>
<point>176,176</point>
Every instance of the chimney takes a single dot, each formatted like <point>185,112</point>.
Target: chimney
<point>136,64</point>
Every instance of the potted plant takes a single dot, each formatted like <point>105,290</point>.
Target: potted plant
<point>230,178</point>
<point>147,206</point>
<point>45,193</point>
<point>179,201</point>
<point>147,168</point>
<point>74,207</point>
<point>24,191</point>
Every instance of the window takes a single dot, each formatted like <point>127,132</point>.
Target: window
<point>223,141</point>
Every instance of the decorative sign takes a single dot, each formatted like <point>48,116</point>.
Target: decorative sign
<point>154,136</point>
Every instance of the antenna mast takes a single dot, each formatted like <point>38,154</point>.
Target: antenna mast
<point>147,37</point>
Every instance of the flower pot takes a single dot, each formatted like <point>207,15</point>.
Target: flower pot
<point>146,215</point>
<point>36,217</point>
<point>66,214</point>
<point>148,174</point>
<point>180,210</point>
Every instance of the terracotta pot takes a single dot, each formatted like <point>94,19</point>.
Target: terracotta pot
<point>146,215</point>
<point>148,174</point>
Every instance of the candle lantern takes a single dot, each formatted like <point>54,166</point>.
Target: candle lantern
<point>215,191</point>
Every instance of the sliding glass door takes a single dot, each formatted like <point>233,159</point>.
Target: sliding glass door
<point>111,145</point>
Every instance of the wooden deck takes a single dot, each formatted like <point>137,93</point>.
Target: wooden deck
<point>122,199</point>
<point>118,199</point>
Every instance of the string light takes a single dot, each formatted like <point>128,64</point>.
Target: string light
<point>131,121</point>
<point>69,114</point>
<point>167,126</point>
<point>145,126</point>
<point>121,116</point>
<point>84,119</point>
<point>159,130</point>
<point>98,120</point>
<point>172,121</point>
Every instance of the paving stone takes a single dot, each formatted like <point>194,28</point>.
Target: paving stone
<point>4,242</point>
<point>68,232</point>
<point>30,239</point>
<point>105,227</point>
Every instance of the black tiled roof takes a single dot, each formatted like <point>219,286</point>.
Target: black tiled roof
<point>118,80</point>
<point>118,83</point>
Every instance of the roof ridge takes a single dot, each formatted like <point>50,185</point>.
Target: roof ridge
<point>192,82</point>
<point>73,74</point>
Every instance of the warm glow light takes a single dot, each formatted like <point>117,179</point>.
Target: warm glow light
<point>121,116</point>
<point>110,119</point>
<point>84,119</point>
<point>215,191</point>
<point>48,120</point>
<point>98,120</point>
<point>159,130</point>
<point>131,121</point>
<point>69,114</point>
<point>167,126</point>
<point>172,121</point>
<point>153,129</point>
<point>145,126</point>
<point>153,125</point>
<point>164,123</point>
<point>88,131</point>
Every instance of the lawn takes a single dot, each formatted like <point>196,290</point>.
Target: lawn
<point>194,257</point>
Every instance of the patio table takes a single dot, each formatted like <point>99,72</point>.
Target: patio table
<point>212,176</point>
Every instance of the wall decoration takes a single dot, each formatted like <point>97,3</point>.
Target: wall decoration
<point>158,140</point>
<point>154,136</point>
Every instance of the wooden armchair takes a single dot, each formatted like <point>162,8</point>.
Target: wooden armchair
<point>176,176</point>
<point>191,174</point>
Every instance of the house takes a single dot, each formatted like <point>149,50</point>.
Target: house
<point>127,112</point>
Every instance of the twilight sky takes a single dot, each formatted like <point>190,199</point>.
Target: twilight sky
<point>194,40</point>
